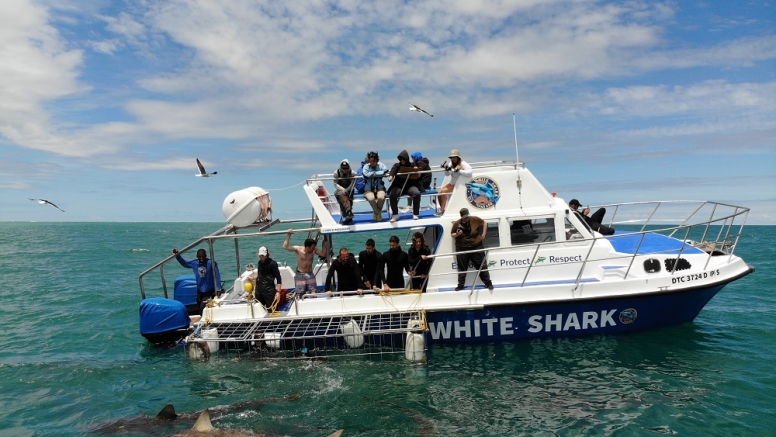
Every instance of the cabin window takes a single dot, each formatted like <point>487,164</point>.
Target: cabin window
<point>524,230</point>
<point>492,237</point>
<point>572,233</point>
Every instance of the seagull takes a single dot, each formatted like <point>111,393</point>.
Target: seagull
<point>44,202</point>
<point>418,109</point>
<point>202,172</point>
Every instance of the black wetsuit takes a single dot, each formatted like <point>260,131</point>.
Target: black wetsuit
<point>369,264</point>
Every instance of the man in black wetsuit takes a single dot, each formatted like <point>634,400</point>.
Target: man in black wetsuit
<point>348,273</point>
<point>593,221</point>
<point>369,262</point>
<point>396,262</point>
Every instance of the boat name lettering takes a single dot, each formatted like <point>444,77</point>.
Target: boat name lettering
<point>694,277</point>
<point>515,262</point>
<point>504,326</point>
<point>558,322</point>
<point>472,328</point>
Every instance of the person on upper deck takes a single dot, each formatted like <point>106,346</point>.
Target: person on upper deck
<point>348,273</point>
<point>206,274</point>
<point>360,177</point>
<point>304,279</point>
<point>374,188</point>
<point>594,221</point>
<point>419,263</point>
<point>369,263</point>
<point>404,184</point>
<point>457,167</point>
<point>344,188</point>
<point>468,232</point>
<point>421,162</point>
<point>394,263</point>
<point>269,287</point>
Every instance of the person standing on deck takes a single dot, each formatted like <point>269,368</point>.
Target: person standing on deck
<point>268,281</point>
<point>348,273</point>
<point>468,232</point>
<point>394,263</point>
<point>419,262</point>
<point>369,263</point>
<point>207,275</point>
<point>304,279</point>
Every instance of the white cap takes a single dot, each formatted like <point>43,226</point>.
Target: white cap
<point>262,251</point>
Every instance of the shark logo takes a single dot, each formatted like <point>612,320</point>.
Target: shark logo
<point>491,263</point>
<point>482,192</point>
<point>540,259</point>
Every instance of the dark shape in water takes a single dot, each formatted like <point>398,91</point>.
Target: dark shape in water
<point>168,419</point>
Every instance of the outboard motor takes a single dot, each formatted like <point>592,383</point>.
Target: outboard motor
<point>163,320</point>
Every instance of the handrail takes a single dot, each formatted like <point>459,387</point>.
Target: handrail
<point>210,239</point>
<point>730,218</point>
<point>705,225</point>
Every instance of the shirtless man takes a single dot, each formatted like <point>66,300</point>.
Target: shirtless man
<point>304,279</point>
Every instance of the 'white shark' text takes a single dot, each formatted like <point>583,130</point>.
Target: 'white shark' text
<point>504,326</point>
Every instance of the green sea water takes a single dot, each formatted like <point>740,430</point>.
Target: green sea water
<point>72,358</point>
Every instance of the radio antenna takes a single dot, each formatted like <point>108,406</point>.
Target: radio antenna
<point>514,124</point>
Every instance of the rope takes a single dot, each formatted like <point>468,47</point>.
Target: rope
<point>286,188</point>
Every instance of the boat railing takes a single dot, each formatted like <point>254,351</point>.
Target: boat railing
<point>228,232</point>
<point>330,202</point>
<point>700,235</point>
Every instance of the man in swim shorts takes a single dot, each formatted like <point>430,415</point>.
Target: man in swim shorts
<point>304,279</point>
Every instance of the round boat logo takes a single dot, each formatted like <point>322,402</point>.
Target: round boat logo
<point>482,192</point>
<point>628,316</point>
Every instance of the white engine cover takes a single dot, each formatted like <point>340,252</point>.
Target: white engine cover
<point>247,206</point>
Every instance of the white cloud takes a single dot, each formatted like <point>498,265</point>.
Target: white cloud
<point>703,97</point>
<point>35,67</point>
<point>235,70</point>
<point>107,46</point>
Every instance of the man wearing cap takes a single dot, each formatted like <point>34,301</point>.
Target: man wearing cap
<point>457,167</point>
<point>468,232</point>
<point>267,291</point>
<point>594,221</point>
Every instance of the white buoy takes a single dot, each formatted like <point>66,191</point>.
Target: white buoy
<point>272,339</point>
<point>211,333</point>
<point>353,336</point>
<point>415,344</point>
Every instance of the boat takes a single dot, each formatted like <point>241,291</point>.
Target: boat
<point>552,275</point>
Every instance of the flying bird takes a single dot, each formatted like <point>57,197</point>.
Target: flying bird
<point>44,202</point>
<point>202,172</point>
<point>418,109</point>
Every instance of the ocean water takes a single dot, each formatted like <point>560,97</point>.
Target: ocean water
<point>72,359</point>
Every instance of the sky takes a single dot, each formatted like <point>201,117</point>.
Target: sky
<point>105,105</point>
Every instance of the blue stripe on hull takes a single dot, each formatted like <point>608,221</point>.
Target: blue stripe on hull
<point>572,318</point>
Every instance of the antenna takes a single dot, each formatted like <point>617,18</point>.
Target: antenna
<point>514,124</point>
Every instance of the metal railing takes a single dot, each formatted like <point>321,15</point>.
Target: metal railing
<point>723,244</point>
